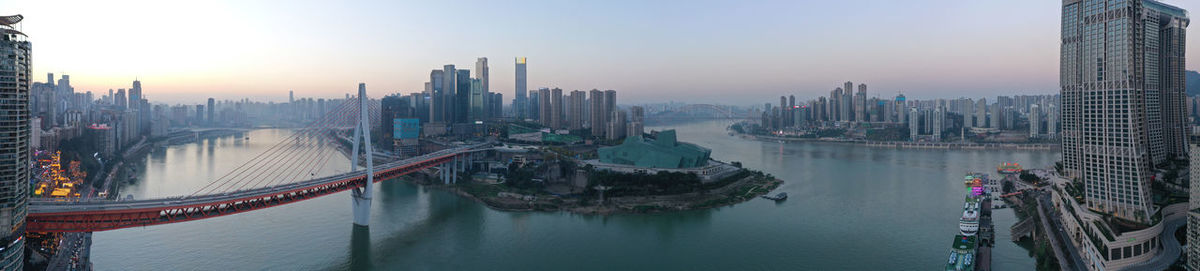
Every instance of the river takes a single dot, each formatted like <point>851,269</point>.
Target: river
<point>850,208</point>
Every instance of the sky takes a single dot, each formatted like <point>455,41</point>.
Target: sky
<point>700,51</point>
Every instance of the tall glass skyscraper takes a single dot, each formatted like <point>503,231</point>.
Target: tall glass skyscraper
<point>1121,78</point>
<point>520,102</point>
<point>14,141</point>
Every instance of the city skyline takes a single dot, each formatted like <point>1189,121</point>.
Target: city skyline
<point>712,49</point>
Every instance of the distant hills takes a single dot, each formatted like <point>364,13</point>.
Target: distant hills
<point>1192,82</point>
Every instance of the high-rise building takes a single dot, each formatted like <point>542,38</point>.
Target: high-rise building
<point>478,100</point>
<point>534,103</point>
<point>212,105</point>
<point>997,112</point>
<point>597,122</point>
<point>835,104</point>
<point>481,73</point>
<point>1125,54</point>
<point>939,119</point>
<point>637,121</point>
<point>577,103</point>
<point>914,124</point>
<point>15,134</point>
<point>1051,121</point>
<point>462,96</point>
<point>519,102</point>
<point>616,125</point>
<point>444,103</point>
<point>544,106</point>
<point>610,103</point>
<point>436,96</point>
<point>848,101</point>
<point>1035,121</point>
<point>120,100</point>
<point>1193,215</point>
<point>135,95</point>
<point>860,104</point>
<point>556,108</point>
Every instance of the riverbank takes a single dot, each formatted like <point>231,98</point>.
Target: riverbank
<point>504,198</point>
<point>908,145</point>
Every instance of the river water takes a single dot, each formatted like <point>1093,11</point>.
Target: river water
<point>850,208</point>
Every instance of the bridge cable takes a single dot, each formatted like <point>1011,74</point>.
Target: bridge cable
<point>286,159</point>
<point>255,161</point>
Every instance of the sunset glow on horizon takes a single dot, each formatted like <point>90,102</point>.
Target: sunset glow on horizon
<point>704,51</point>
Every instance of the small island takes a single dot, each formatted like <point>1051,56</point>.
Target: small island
<point>642,174</point>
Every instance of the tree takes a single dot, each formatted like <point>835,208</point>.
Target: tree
<point>1029,178</point>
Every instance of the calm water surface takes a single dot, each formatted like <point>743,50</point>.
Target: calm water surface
<point>851,208</point>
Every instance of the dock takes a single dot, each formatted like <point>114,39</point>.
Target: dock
<point>987,234</point>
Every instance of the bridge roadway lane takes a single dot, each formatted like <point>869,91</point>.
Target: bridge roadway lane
<point>66,206</point>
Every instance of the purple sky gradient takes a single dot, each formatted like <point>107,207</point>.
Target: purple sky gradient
<point>733,52</point>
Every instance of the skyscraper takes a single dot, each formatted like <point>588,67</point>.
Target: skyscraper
<point>15,134</point>
<point>444,103</point>
<point>1035,121</point>
<point>997,112</point>
<point>636,121</point>
<point>520,102</point>
<point>616,125</point>
<point>981,113</point>
<point>610,103</point>
<point>544,107</point>
<point>848,102</point>
<point>462,96</point>
<point>478,100</point>
<point>212,105</point>
<point>835,104</point>
<point>481,73</point>
<point>1121,54</point>
<point>939,119</point>
<point>556,108</point>
<point>578,104</point>
<point>135,95</point>
<point>914,121</point>
<point>1052,122</point>
<point>860,104</point>
<point>436,96</point>
<point>597,122</point>
<point>1193,216</point>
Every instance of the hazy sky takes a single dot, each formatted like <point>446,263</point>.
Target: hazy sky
<point>693,51</point>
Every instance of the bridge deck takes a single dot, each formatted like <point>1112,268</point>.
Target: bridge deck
<point>99,215</point>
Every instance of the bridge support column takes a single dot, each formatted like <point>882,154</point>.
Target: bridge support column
<point>454,171</point>
<point>361,197</point>
<point>445,173</point>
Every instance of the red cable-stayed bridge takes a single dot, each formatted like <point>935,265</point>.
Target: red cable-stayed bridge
<point>265,181</point>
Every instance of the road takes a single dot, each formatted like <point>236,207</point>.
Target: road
<point>1170,251</point>
<point>1053,228</point>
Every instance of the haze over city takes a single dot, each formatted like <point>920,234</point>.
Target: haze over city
<point>704,51</point>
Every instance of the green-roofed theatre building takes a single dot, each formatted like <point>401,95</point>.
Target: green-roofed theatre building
<point>663,152</point>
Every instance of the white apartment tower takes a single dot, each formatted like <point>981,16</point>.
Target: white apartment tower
<point>1121,79</point>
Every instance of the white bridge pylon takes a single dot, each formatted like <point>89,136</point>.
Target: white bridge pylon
<point>362,137</point>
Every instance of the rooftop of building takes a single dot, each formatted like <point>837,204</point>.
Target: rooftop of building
<point>1166,8</point>
<point>11,19</point>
